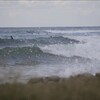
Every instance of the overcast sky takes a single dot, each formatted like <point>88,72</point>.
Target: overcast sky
<point>27,13</point>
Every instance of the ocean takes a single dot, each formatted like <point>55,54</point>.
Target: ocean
<point>48,51</point>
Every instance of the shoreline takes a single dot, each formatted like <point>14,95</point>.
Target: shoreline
<point>18,78</point>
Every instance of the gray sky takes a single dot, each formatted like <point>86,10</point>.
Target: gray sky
<point>27,13</point>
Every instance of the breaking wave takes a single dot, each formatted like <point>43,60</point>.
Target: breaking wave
<point>34,55</point>
<point>61,51</point>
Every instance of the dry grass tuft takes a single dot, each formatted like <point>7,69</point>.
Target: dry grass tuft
<point>80,87</point>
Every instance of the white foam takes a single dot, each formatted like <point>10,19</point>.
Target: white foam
<point>89,49</point>
<point>72,31</point>
<point>62,70</point>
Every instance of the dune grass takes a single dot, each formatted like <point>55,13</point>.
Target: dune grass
<point>80,87</point>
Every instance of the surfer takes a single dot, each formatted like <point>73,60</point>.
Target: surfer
<point>12,37</point>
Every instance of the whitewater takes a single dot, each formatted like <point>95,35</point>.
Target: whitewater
<point>48,51</point>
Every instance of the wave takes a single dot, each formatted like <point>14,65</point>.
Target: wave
<point>85,49</point>
<point>54,40</point>
<point>18,55</point>
<point>34,55</point>
<point>37,41</point>
<point>75,32</point>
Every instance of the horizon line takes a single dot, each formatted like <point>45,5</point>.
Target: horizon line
<point>45,26</point>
